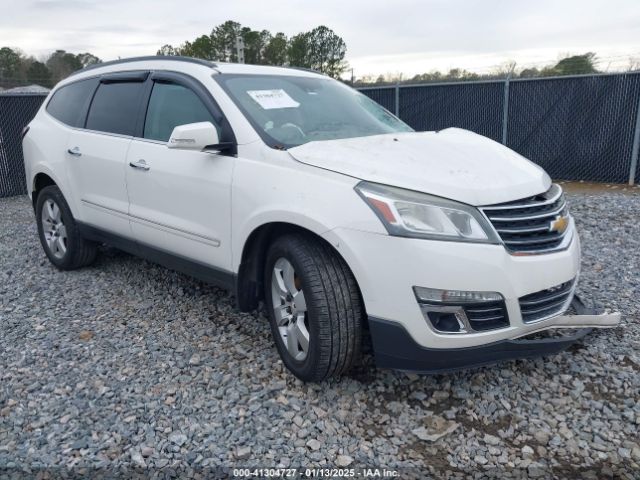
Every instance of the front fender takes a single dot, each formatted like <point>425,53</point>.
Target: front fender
<point>270,216</point>
<point>280,190</point>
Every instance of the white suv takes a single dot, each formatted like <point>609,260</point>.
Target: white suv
<point>286,186</point>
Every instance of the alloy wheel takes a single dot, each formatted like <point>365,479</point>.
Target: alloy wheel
<point>53,228</point>
<point>290,308</point>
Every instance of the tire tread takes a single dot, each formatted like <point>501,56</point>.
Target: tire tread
<point>337,303</point>
<point>82,252</point>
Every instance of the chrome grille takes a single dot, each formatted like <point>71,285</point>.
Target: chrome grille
<point>487,315</point>
<point>525,225</point>
<point>546,303</point>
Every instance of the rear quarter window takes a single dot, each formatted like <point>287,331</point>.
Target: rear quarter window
<point>69,103</point>
<point>114,108</point>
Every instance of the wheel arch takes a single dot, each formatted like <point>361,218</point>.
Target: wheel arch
<point>250,272</point>
<point>41,177</point>
<point>40,181</point>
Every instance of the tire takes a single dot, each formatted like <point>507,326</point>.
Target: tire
<point>59,233</point>
<point>333,314</point>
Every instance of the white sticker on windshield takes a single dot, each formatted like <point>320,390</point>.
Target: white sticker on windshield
<point>270,99</point>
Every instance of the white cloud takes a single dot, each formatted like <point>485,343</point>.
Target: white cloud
<point>405,35</point>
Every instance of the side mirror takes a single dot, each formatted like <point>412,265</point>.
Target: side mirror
<point>194,136</point>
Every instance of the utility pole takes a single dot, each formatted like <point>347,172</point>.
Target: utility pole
<point>505,105</point>
<point>240,49</point>
<point>397,98</point>
<point>635,150</point>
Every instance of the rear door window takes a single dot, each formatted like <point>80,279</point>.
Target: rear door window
<point>69,103</point>
<point>114,108</point>
<point>171,105</point>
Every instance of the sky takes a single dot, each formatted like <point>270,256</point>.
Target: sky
<point>382,37</point>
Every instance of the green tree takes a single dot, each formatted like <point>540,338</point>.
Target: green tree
<point>61,64</point>
<point>87,59</point>
<point>223,40</point>
<point>167,50</point>
<point>320,49</point>
<point>39,74</point>
<point>576,65</point>
<point>326,51</point>
<point>299,51</point>
<point>275,52</point>
<point>454,74</point>
<point>10,67</point>
<point>201,47</point>
<point>529,73</point>
<point>255,44</point>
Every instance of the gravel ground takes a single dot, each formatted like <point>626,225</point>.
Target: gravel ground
<point>125,366</point>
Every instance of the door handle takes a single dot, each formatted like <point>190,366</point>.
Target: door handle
<point>140,165</point>
<point>75,151</point>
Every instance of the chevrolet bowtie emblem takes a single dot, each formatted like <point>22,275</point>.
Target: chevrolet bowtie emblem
<point>559,224</point>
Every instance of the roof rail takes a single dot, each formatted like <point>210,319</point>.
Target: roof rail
<point>305,69</point>
<point>177,58</point>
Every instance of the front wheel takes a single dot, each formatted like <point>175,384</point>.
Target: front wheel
<point>314,307</point>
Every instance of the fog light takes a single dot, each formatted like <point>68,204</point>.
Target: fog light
<point>460,311</point>
<point>433,295</point>
<point>449,322</point>
<point>446,318</point>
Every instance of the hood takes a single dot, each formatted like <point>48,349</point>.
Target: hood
<point>452,163</point>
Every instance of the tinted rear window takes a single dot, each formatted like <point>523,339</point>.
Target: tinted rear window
<point>115,108</point>
<point>69,103</point>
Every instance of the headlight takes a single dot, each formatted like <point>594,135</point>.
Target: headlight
<point>406,213</point>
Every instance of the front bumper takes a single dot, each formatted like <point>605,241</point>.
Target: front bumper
<point>395,348</point>
<point>387,268</point>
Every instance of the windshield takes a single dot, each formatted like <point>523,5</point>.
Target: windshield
<point>288,111</point>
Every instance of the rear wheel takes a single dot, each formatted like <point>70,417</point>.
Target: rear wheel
<point>58,231</point>
<point>314,307</point>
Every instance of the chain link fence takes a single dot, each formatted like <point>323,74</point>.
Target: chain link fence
<point>473,106</point>
<point>385,96</point>
<point>577,128</point>
<point>16,111</point>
